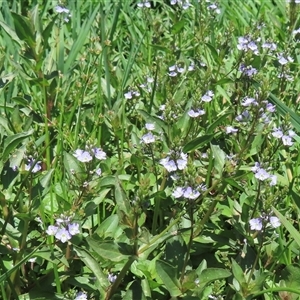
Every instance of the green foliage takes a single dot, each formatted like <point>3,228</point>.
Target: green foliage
<point>141,156</point>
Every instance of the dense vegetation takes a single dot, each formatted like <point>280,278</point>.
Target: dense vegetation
<point>149,149</point>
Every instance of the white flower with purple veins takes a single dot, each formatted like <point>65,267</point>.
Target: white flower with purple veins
<point>168,164</point>
<point>81,296</point>
<point>150,126</point>
<point>256,224</point>
<point>275,222</point>
<point>270,107</point>
<point>214,8</point>
<point>148,138</point>
<point>36,167</point>
<point>128,95</point>
<point>98,171</point>
<point>99,153</point>
<point>230,129</point>
<point>207,97</point>
<point>252,46</point>
<point>144,4</point>
<point>181,164</point>
<point>284,60</point>
<point>247,70</point>
<point>243,117</point>
<point>256,167</point>
<point>73,228</point>
<point>262,174</point>
<point>178,192</point>
<point>287,140</point>
<point>83,156</point>
<point>196,113</point>
<point>190,193</point>
<point>52,230</point>
<point>111,277</point>
<point>248,101</point>
<point>271,46</point>
<point>273,180</point>
<point>60,9</point>
<point>63,235</point>
<point>242,43</point>
<point>296,31</point>
<point>277,132</point>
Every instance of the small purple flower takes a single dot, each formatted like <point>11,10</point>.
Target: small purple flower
<point>99,154</point>
<point>247,101</point>
<point>98,171</point>
<point>190,193</point>
<point>270,107</point>
<point>287,140</point>
<point>52,230</point>
<point>277,132</point>
<point>36,167</point>
<point>207,97</point>
<point>60,9</point>
<point>273,180</point>
<point>148,138</point>
<point>256,224</point>
<point>275,222</point>
<point>178,192</point>
<point>81,296</point>
<point>111,277</point>
<point>63,235</point>
<point>150,126</point>
<point>144,3</point>
<point>73,228</point>
<point>84,156</point>
<point>230,129</point>
<point>262,174</point>
<point>196,113</point>
<point>243,117</point>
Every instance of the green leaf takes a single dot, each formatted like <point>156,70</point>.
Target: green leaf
<point>219,158</point>
<point>284,110</point>
<point>109,227</point>
<point>238,273</point>
<point>110,250</point>
<point>198,142</point>
<point>5,275</point>
<point>167,274</point>
<point>209,275</point>
<point>72,164</point>
<point>23,30</point>
<point>178,26</point>
<point>13,141</point>
<point>94,266</point>
<point>11,33</point>
<point>215,124</point>
<point>290,228</point>
<point>121,198</point>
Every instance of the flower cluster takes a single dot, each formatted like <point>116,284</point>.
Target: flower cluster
<point>285,137</point>
<point>196,113</point>
<point>262,175</point>
<point>174,164</point>
<point>131,94</point>
<point>87,155</point>
<point>63,229</point>
<point>257,223</point>
<point>188,192</point>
